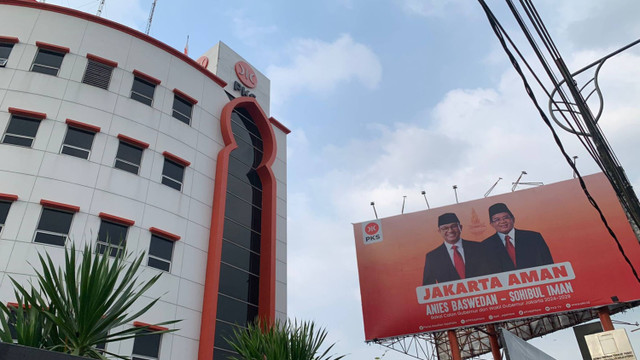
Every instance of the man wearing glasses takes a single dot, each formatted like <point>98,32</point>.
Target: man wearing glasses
<point>512,248</point>
<point>456,258</point>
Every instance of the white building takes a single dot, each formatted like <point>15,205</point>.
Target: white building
<point>106,131</point>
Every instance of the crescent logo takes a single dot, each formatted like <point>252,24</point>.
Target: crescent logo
<point>203,61</point>
<point>246,75</point>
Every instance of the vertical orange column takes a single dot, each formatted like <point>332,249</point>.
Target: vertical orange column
<point>605,318</point>
<point>453,343</point>
<point>493,340</point>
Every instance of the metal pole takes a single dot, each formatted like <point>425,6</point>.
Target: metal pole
<point>605,319</point>
<point>373,204</point>
<point>574,165</point>
<point>455,190</point>
<point>493,341</point>
<point>424,193</point>
<point>404,199</point>
<point>453,343</point>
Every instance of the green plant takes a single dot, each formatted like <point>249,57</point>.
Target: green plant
<point>78,305</point>
<point>281,341</point>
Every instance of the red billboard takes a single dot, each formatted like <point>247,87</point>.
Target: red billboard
<point>523,254</point>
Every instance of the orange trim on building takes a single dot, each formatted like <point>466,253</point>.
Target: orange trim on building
<point>83,126</point>
<point>176,159</point>
<point>9,40</point>
<point>119,27</point>
<point>59,206</point>
<point>149,326</point>
<point>8,197</point>
<point>147,77</point>
<point>52,47</point>
<point>185,96</point>
<point>279,125</point>
<point>116,219</point>
<point>266,306</point>
<point>102,60</point>
<point>132,141</point>
<point>165,234</point>
<point>28,113</point>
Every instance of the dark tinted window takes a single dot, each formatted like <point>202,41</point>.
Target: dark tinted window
<point>238,284</point>
<point>111,235</point>
<point>172,174</point>
<point>142,91</point>
<point>241,235</point>
<point>21,131</point>
<point>53,227</point>
<point>182,109</point>
<point>243,172</point>
<point>5,51</point>
<point>97,74</point>
<point>223,330</point>
<point>243,190</point>
<point>243,212</point>
<point>47,62</point>
<point>128,157</point>
<point>235,311</point>
<point>220,354</point>
<point>246,153</point>
<point>240,257</point>
<point>148,345</point>
<point>160,253</point>
<point>4,211</point>
<point>77,142</point>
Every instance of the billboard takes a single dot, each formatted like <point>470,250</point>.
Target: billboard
<point>543,250</point>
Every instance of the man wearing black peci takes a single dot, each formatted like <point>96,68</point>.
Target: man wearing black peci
<point>456,258</point>
<point>512,248</point>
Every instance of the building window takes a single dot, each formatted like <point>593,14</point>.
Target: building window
<point>173,170</point>
<point>143,87</point>
<point>79,139</point>
<point>55,222</point>
<point>112,234</point>
<point>183,106</point>
<point>22,128</point>
<point>98,71</point>
<point>48,58</point>
<point>129,155</point>
<point>161,249</point>
<point>6,45</point>
<point>4,211</point>
<point>147,347</point>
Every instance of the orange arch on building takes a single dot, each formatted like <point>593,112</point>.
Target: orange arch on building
<point>266,307</point>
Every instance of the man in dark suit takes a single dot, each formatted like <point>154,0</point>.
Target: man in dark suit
<point>511,248</point>
<point>456,258</point>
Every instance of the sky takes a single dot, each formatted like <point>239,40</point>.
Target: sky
<point>386,98</point>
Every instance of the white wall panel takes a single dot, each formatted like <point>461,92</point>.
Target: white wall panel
<point>190,295</point>
<point>194,264</point>
<point>70,169</point>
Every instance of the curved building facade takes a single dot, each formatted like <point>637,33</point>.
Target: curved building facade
<point>112,138</point>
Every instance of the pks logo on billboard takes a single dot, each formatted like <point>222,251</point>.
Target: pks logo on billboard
<point>246,75</point>
<point>372,232</point>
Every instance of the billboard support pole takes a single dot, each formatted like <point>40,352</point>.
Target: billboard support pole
<point>493,341</point>
<point>453,344</point>
<point>605,319</point>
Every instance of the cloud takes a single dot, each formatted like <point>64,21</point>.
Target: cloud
<point>319,67</point>
<point>437,8</point>
<point>248,30</point>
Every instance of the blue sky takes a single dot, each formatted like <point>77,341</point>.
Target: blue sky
<point>386,98</point>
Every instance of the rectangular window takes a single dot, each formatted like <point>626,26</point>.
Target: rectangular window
<point>21,130</point>
<point>4,211</point>
<point>146,347</point>
<point>5,51</point>
<point>160,253</point>
<point>97,74</point>
<point>47,61</point>
<point>128,157</point>
<point>77,142</point>
<point>142,90</point>
<point>182,106</point>
<point>172,174</point>
<point>111,236</point>
<point>53,227</point>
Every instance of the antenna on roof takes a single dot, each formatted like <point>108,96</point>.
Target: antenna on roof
<point>100,7</point>
<point>153,7</point>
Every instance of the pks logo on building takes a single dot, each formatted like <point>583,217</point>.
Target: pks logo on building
<point>372,232</point>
